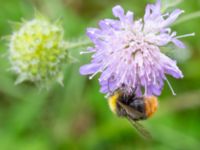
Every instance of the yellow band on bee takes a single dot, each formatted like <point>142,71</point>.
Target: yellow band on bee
<point>112,101</point>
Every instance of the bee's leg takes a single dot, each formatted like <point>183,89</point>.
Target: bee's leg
<point>122,112</point>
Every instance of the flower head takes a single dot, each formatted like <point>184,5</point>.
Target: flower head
<point>127,51</point>
<point>37,51</point>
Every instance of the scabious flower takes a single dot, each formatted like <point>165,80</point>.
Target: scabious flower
<point>127,52</point>
<point>37,51</point>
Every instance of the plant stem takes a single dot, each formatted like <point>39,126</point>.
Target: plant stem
<point>77,44</point>
<point>188,17</point>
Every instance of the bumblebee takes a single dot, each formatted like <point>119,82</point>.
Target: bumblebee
<point>133,108</point>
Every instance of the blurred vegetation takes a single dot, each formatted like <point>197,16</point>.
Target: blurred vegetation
<point>76,116</point>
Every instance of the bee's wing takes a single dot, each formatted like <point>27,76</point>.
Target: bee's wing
<point>132,113</point>
<point>141,129</point>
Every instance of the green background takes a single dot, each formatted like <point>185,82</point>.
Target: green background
<point>77,116</point>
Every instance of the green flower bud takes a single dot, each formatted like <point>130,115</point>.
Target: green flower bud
<point>37,51</point>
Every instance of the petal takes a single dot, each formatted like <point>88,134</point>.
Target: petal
<point>104,25</point>
<point>173,16</point>
<point>118,11</point>
<point>89,69</point>
<point>93,33</point>
<point>170,67</point>
<point>138,91</point>
<point>158,5</point>
<point>147,12</point>
<point>175,72</point>
<point>153,10</point>
<point>108,86</point>
<point>113,23</point>
<point>129,17</point>
<point>156,9</point>
<point>178,43</point>
<point>154,90</point>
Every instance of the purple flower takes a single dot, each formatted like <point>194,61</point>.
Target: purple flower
<point>127,52</point>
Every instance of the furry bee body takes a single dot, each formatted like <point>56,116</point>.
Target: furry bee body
<point>137,108</point>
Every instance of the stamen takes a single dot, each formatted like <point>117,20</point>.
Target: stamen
<point>170,86</point>
<point>107,96</point>
<point>85,52</point>
<point>90,77</point>
<point>100,70</point>
<point>165,15</point>
<point>185,35</point>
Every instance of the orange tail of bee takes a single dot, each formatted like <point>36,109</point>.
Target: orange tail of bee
<point>151,105</point>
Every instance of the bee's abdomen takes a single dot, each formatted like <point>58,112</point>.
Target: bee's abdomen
<point>139,105</point>
<point>151,105</point>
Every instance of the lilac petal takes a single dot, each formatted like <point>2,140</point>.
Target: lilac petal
<point>129,16</point>
<point>104,90</point>
<point>92,33</point>
<point>164,39</point>
<point>92,30</point>
<point>89,69</point>
<point>157,7</point>
<point>115,24</point>
<point>169,67</point>
<point>138,91</point>
<point>175,72</point>
<point>160,40</point>
<point>107,86</point>
<point>154,90</point>
<point>91,49</point>
<point>153,12</point>
<point>104,25</point>
<point>147,12</point>
<point>118,11</point>
<point>173,16</point>
<point>178,43</point>
<point>111,22</point>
